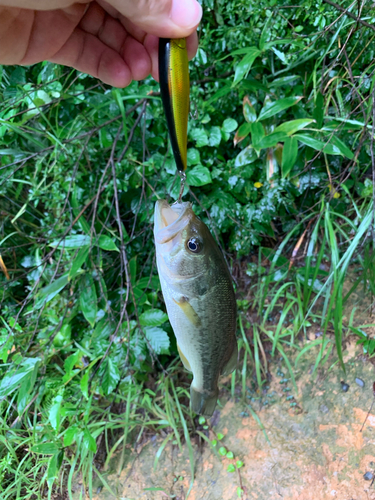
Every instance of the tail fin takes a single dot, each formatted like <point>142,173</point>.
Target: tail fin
<point>203,403</point>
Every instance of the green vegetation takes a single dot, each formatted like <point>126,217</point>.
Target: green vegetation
<point>280,166</point>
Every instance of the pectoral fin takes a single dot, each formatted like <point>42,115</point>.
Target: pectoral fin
<point>232,363</point>
<point>184,360</point>
<point>188,310</point>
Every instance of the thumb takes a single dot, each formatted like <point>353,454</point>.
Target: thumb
<point>163,18</point>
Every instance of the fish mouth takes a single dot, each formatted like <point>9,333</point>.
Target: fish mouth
<point>170,220</point>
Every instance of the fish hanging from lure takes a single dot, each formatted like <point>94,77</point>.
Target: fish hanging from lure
<point>201,304</point>
<point>175,91</point>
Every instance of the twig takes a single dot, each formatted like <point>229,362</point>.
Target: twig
<point>79,137</point>
<point>139,117</point>
<point>349,14</point>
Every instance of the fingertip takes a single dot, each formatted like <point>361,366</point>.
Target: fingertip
<point>113,71</point>
<point>151,44</point>
<point>192,45</point>
<point>186,14</point>
<point>137,59</point>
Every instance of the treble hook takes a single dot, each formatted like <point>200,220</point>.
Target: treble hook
<point>183,180</point>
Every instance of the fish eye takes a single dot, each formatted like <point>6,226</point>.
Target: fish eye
<point>194,245</point>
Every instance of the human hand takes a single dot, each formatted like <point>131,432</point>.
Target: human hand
<point>115,40</point>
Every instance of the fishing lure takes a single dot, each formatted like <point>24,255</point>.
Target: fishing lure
<point>175,89</point>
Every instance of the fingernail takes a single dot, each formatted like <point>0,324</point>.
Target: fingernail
<point>186,13</point>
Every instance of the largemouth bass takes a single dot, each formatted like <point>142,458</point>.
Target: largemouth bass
<point>175,91</point>
<point>200,300</point>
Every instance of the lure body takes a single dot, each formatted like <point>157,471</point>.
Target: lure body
<point>175,89</point>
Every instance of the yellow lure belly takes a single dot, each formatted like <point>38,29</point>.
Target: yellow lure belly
<point>175,90</point>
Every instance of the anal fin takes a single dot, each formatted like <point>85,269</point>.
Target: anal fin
<point>184,360</point>
<point>232,363</point>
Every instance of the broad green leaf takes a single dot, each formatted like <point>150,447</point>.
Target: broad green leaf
<point>158,339</point>
<point>253,85</point>
<point>244,66</point>
<point>279,54</point>
<point>105,243</point>
<point>12,379</point>
<point>27,386</point>
<point>111,377</point>
<point>293,126</point>
<point>50,291</point>
<point>229,125</point>
<point>290,153</point>
<point>71,242</point>
<point>152,282</point>
<point>153,317</point>
<point>84,384</point>
<point>140,296</point>
<point>70,434</point>
<point>215,137</point>
<point>344,124</point>
<point>235,52</point>
<point>45,448</point>
<point>82,222</point>
<point>265,34</point>
<point>269,141</point>
<point>249,110</point>
<point>71,361</point>
<point>283,41</point>
<point>6,344</point>
<point>317,144</point>
<point>285,80</point>
<point>257,134</point>
<point>69,365</point>
<point>198,176</point>
<point>54,413</point>
<point>318,112</point>
<point>88,299</point>
<point>242,133</point>
<point>78,261</point>
<point>220,93</point>
<point>247,156</point>
<point>83,240</point>
<point>345,151</point>
<point>54,467</point>
<point>193,157</point>
<point>272,108</point>
<point>199,135</point>
<point>88,441</point>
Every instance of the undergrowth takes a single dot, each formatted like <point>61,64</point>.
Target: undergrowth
<point>280,166</point>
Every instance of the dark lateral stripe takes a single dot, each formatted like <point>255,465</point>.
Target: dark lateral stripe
<point>167,98</point>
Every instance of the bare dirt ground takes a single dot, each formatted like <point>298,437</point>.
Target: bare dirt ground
<point>316,448</point>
